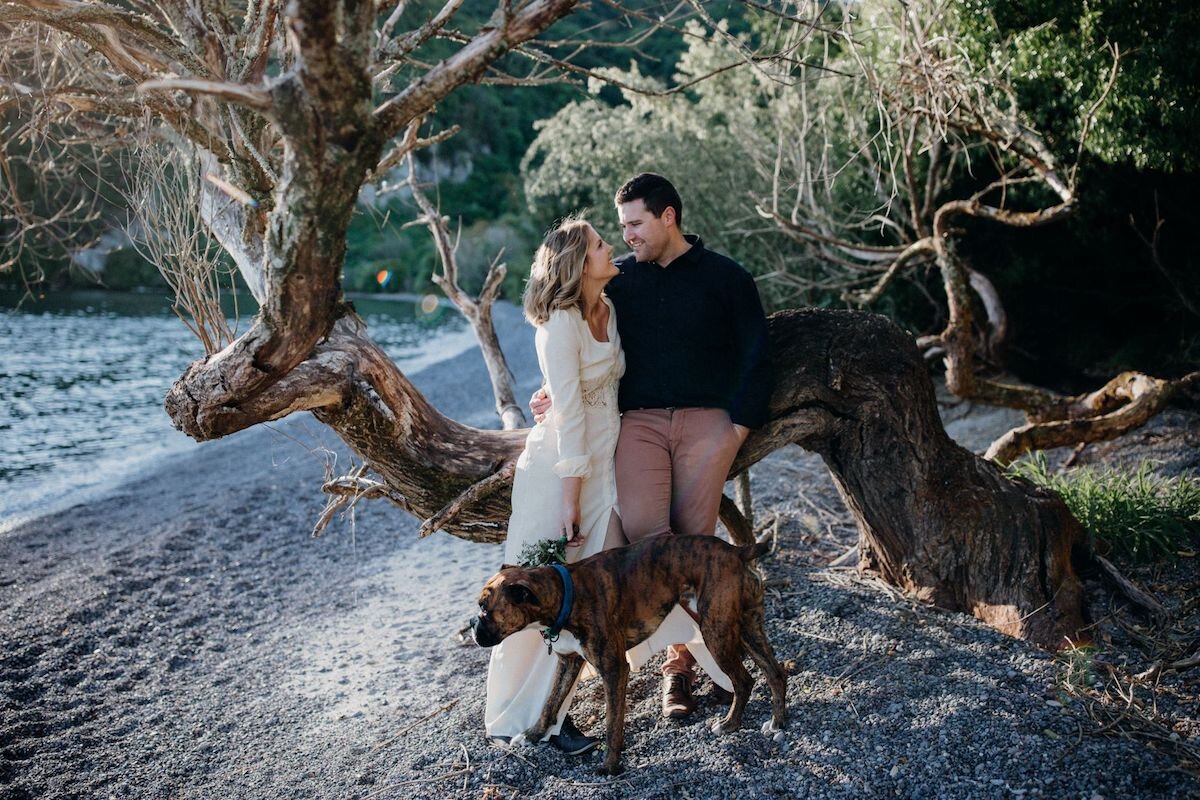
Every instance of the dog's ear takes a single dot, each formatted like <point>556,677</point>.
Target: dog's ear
<point>521,594</point>
<point>508,566</point>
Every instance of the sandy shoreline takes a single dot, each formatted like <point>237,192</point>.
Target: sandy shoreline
<point>184,636</point>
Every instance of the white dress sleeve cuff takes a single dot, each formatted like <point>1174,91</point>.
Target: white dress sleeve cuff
<point>573,467</point>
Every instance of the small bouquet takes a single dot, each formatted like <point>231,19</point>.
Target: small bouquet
<point>544,552</point>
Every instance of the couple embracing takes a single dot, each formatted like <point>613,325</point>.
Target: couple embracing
<point>655,369</point>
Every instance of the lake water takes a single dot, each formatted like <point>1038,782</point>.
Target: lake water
<point>83,375</point>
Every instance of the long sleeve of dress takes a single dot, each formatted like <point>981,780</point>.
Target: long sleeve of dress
<point>558,343</point>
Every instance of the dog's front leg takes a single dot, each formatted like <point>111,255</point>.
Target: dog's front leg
<point>565,675</point>
<point>615,670</point>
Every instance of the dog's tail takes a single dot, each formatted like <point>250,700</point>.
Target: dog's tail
<point>752,551</point>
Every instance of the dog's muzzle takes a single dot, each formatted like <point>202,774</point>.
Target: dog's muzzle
<point>484,634</point>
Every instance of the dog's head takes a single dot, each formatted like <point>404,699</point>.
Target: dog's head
<point>510,601</point>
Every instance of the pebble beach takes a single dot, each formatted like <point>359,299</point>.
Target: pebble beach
<point>184,636</point>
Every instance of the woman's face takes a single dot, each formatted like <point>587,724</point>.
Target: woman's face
<point>599,263</point>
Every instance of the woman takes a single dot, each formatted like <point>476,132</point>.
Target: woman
<point>565,483</point>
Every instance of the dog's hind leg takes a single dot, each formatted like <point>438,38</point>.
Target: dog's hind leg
<point>725,645</point>
<point>566,674</point>
<point>754,637</point>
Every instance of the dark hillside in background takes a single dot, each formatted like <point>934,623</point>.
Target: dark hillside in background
<point>497,122</point>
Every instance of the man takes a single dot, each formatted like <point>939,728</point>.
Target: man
<point>697,380</point>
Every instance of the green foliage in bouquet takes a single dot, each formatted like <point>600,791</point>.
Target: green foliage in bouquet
<point>544,552</point>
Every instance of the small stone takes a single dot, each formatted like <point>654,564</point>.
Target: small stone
<point>894,771</point>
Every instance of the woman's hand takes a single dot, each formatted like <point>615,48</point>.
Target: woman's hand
<point>569,527</point>
<point>569,519</point>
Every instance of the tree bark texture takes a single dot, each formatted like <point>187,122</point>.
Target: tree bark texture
<point>933,518</point>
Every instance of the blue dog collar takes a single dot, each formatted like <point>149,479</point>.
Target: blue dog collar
<point>550,635</point>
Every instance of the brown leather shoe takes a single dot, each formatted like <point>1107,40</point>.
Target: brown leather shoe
<point>677,697</point>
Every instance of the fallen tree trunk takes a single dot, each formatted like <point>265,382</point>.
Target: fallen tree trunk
<point>933,518</point>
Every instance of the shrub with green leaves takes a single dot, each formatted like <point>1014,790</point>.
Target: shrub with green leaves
<point>1134,515</point>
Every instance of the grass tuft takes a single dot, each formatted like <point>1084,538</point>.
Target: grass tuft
<point>1138,516</point>
<point>1076,671</point>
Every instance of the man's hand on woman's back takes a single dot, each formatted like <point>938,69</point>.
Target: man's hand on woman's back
<point>539,404</point>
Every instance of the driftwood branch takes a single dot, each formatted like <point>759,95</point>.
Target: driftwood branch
<point>743,496</point>
<point>1130,590</point>
<point>1159,667</point>
<point>478,311</point>
<point>469,62</point>
<point>249,96</point>
<point>1126,402</point>
<point>501,480</point>
<point>349,489</point>
<point>740,530</point>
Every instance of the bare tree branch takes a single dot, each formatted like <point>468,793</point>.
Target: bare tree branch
<point>248,96</point>
<point>504,33</point>
<point>479,311</point>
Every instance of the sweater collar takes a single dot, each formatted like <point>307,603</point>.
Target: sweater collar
<point>689,256</point>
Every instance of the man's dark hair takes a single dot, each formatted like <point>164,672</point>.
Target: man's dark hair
<point>655,191</point>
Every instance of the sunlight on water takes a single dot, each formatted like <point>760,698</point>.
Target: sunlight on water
<point>83,376</point>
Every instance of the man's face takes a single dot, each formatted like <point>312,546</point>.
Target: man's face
<point>646,234</point>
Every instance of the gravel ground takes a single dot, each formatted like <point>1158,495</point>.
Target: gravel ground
<point>184,637</point>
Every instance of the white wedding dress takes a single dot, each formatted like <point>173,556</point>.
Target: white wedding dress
<point>578,438</point>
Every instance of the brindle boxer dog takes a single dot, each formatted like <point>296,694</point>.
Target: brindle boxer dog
<point>621,596</point>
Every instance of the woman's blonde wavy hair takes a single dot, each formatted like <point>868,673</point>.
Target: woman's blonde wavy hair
<point>556,278</point>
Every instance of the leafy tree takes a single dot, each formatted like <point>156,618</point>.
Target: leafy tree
<point>911,138</point>
<point>1060,53</point>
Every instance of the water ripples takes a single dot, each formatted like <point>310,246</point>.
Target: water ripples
<point>83,376</point>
